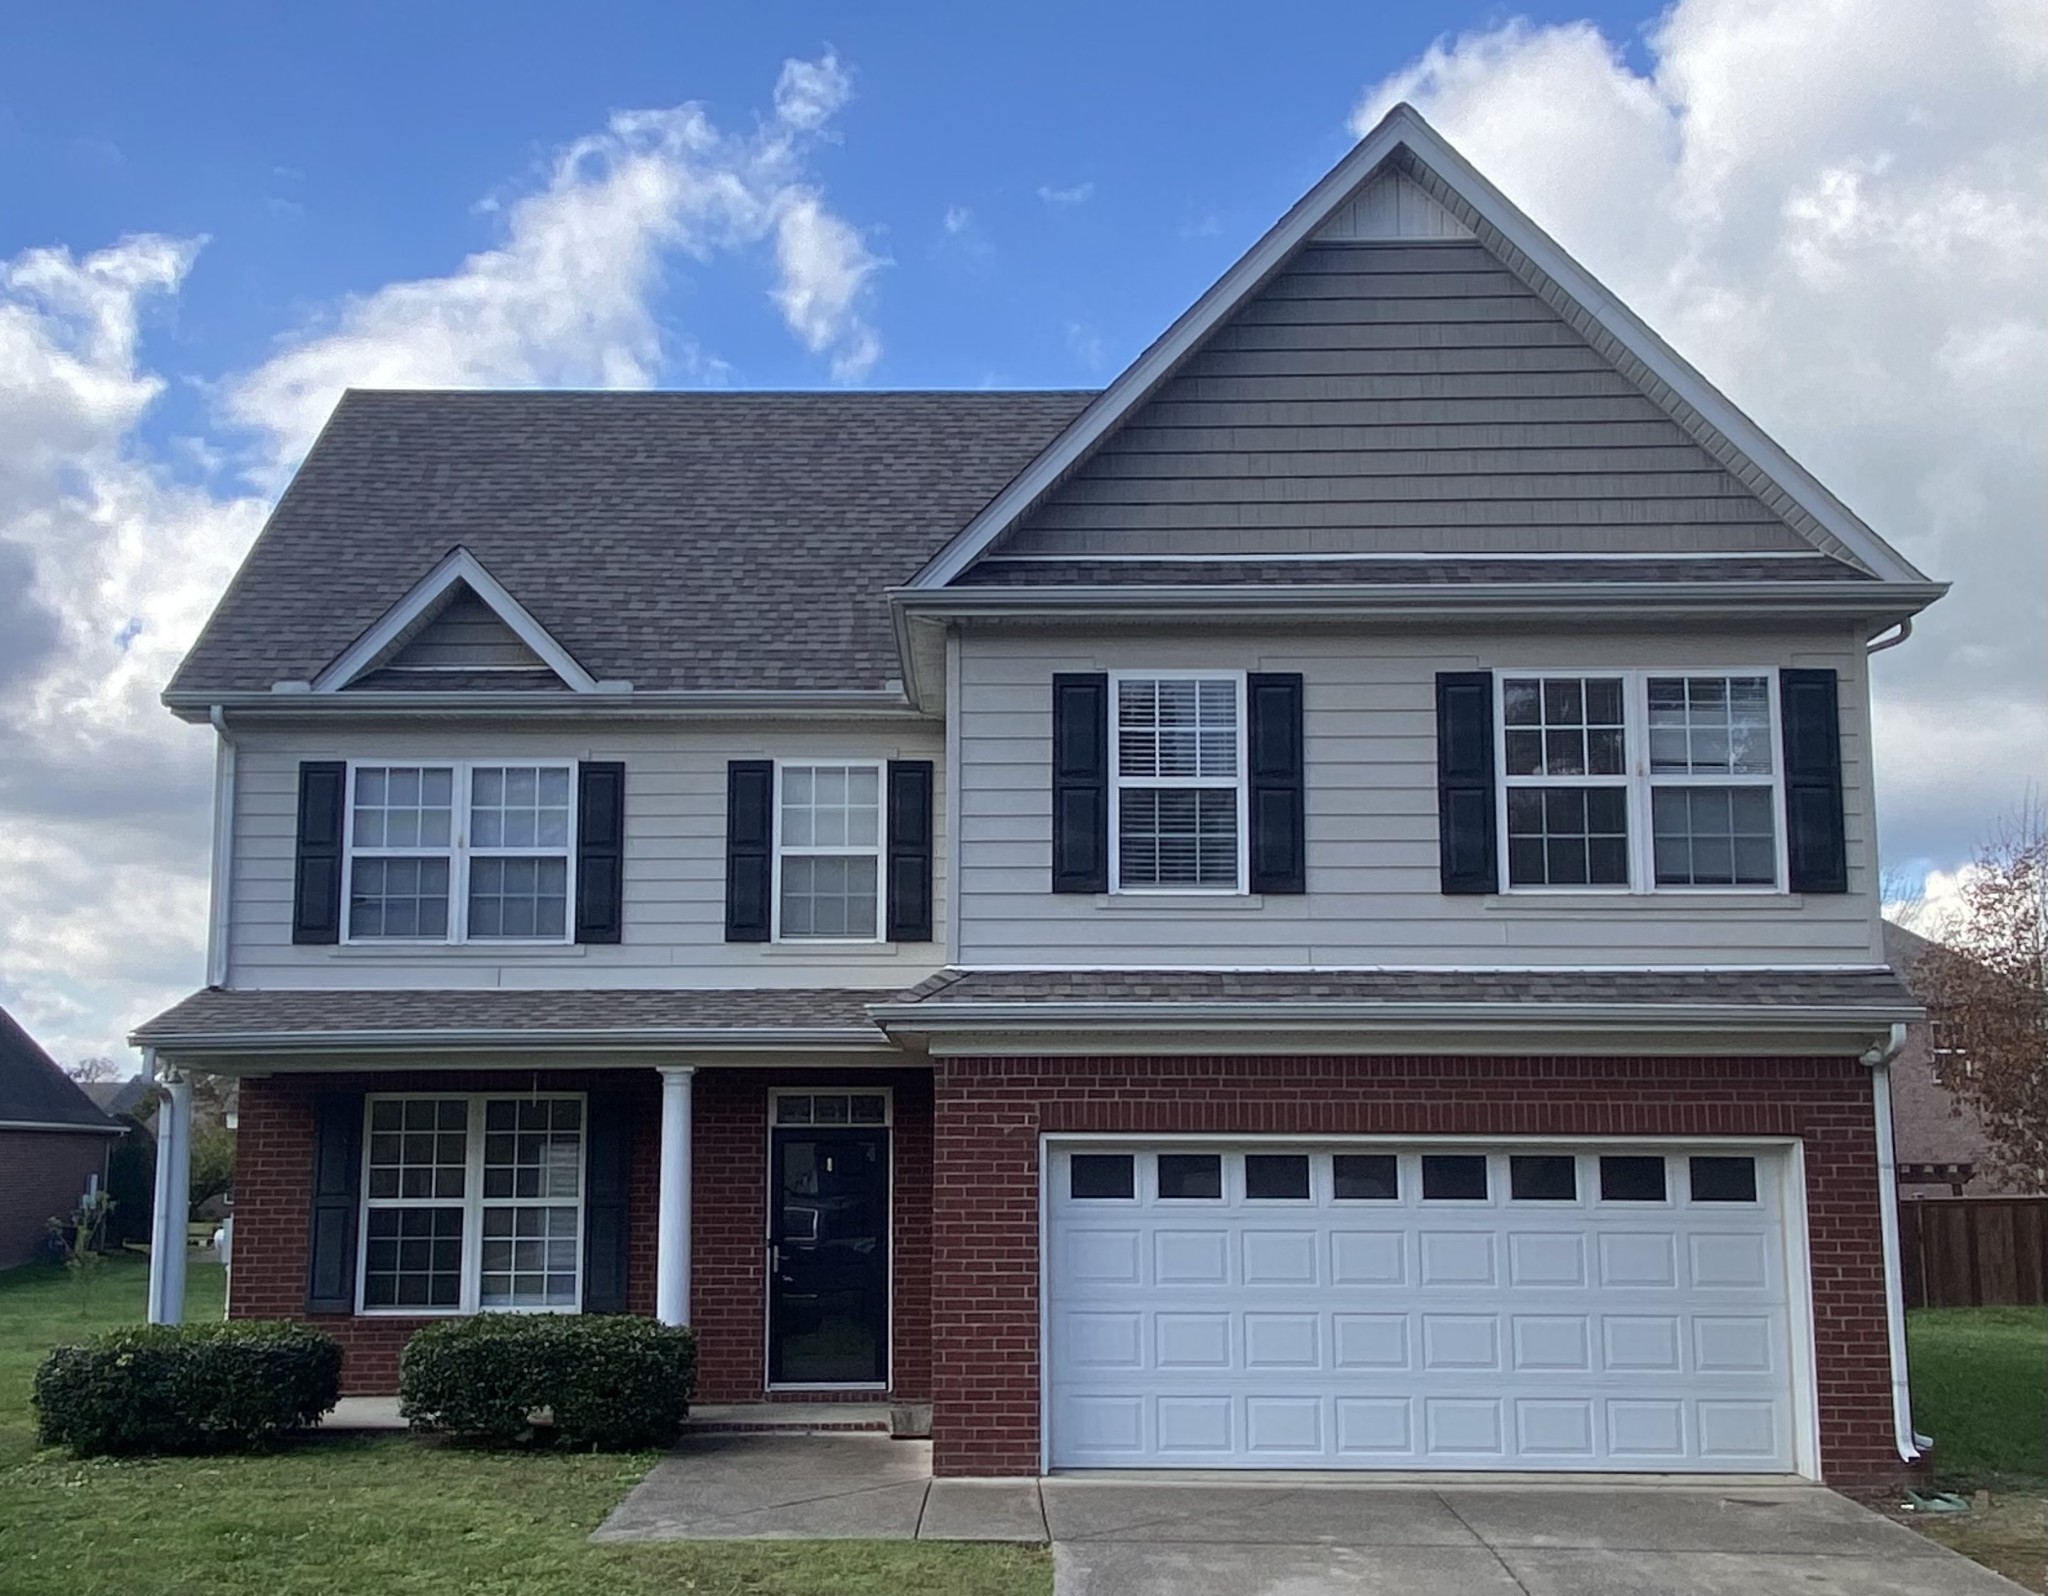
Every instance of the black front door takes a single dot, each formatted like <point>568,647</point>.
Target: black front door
<point>828,1257</point>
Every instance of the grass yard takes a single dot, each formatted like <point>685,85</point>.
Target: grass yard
<point>356,1515</point>
<point>1980,1388</point>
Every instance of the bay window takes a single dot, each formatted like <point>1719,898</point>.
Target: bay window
<point>460,852</point>
<point>471,1203</point>
<point>1639,780</point>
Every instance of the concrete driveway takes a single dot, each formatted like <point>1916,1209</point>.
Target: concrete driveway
<point>1247,1536</point>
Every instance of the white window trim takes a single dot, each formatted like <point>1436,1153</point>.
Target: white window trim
<point>458,853</point>
<point>879,852</point>
<point>1241,785</point>
<point>472,1204</point>
<point>1639,783</point>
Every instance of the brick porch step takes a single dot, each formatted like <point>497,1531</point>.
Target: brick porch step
<point>810,1418</point>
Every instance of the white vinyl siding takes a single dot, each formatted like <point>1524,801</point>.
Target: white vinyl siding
<point>674,920</point>
<point>1374,896</point>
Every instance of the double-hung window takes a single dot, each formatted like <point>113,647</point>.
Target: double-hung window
<point>460,852</point>
<point>1640,780</point>
<point>472,1203</point>
<point>828,852</point>
<point>1177,815</point>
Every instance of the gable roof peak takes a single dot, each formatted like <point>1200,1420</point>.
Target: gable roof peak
<point>1404,151</point>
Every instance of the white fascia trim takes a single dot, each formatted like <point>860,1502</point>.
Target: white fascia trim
<point>1402,556</point>
<point>61,1125</point>
<point>1857,600</point>
<point>1868,967</point>
<point>459,566</point>
<point>1402,127</point>
<point>935,1016</point>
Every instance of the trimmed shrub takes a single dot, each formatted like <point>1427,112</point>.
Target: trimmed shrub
<point>186,1388</point>
<point>607,1382</point>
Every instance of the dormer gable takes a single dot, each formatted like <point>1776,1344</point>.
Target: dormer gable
<point>457,629</point>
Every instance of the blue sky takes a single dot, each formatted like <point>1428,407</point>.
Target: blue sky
<point>214,218</point>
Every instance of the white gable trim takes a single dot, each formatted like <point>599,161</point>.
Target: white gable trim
<point>459,567</point>
<point>1692,400</point>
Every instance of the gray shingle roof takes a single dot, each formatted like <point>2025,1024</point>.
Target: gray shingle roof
<point>995,571</point>
<point>675,540</point>
<point>34,1091</point>
<point>214,1012</point>
<point>1790,989</point>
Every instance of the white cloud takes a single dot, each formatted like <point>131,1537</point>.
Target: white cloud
<point>113,549</point>
<point>1085,344</point>
<point>958,219</point>
<point>1834,211</point>
<point>1074,194</point>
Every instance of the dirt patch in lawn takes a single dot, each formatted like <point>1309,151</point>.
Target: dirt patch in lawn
<point>2008,1532</point>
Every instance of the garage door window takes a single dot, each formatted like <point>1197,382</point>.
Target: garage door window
<point>1366,1177</point>
<point>1543,1178</point>
<point>1454,1177</point>
<point>1191,1176</point>
<point>1276,1177</point>
<point>1101,1175</point>
<point>1632,1179</point>
<point>1724,1180</point>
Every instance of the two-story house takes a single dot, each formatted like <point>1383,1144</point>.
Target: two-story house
<point>1315,908</point>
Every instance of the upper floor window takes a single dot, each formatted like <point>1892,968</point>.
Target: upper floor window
<point>1177,815</point>
<point>460,852</point>
<point>1640,780</point>
<point>828,852</point>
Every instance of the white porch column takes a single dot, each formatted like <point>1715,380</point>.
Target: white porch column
<point>672,1230</point>
<point>173,1200</point>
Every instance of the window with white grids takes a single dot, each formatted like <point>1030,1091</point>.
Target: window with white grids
<point>472,1203</point>
<point>1177,810</point>
<point>460,852</point>
<point>1640,780</point>
<point>828,853</point>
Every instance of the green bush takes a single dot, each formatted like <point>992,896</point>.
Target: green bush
<point>610,1383</point>
<point>186,1388</point>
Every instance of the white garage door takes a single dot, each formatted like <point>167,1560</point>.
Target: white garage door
<point>1455,1307</point>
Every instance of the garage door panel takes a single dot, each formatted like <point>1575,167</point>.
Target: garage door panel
<point>1253,1329</point>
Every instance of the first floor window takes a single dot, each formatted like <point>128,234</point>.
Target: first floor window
<point>828,855</point>
<point>1639,780</point>
<point>473,1203</point>
<point>454,853</point>
<point>1179,764</point>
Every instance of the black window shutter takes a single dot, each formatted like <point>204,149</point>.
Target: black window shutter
<point>1816,846</point>
<point>1279,817</point>
<point>606,1163</point>
<point>337,1188</point>
<point>316,877</point>
<point>749,849</point>
<point>1467,856</point>
<point>910,850</point>
<point>600,850</point>
<point>1080,783</point>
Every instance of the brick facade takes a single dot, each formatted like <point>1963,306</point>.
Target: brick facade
<point>991,1112</point>
<point>728,1212</point>
<point>42,1176</point>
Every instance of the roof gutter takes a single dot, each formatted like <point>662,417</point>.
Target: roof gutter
<point>526,1039</point>
<point>1345,1015</point>
<point>873,704</point>
<point>1347,600</point>
<point>61,1125</point>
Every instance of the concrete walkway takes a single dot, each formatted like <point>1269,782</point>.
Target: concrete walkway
<point>1146,1536</point>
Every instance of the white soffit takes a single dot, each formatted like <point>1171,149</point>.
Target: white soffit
<point>1405,149</point>
<point>425,600</point>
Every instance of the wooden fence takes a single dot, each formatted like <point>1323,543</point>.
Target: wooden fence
<point>1970,1252</point>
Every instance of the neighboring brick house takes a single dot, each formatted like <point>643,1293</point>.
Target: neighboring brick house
<point>53,1144</point>
<point>1940,1138</point>
<point>1316,908</point>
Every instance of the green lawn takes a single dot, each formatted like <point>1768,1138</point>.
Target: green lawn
<point>1980,1388</point>
<point>356,1515</point>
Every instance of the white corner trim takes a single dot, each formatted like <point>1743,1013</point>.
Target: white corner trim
<point>1402,127</point>
<point>464,567</point>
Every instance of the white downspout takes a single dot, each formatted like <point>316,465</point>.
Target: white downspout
<point>223,849</point>
<point>1879,1058</point>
